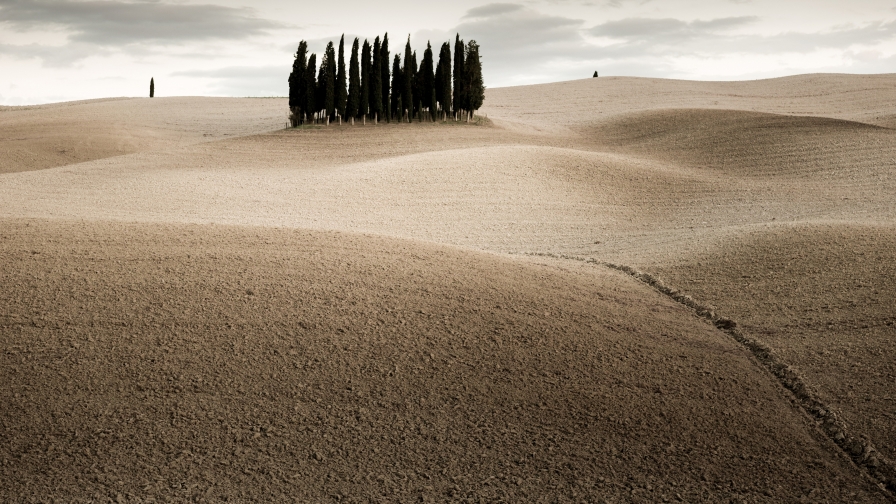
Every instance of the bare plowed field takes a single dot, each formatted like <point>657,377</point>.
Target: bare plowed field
<point>197,305</point>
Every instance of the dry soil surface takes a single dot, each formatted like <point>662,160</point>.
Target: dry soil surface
<point>409,312</point>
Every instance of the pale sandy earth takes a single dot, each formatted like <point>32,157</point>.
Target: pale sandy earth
<point>367,313</point>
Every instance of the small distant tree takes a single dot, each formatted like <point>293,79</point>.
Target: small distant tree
<point>310,87</point>
<point>595,74</point>
<point>341,92</point>
<point>474,89</point>
<point>354,84</point>
<point>152,87</point>
<point>397,87</point>
<point>376,81</point>
<point>443,78</point>
<point>365,81</point>
<point>458,74</point>
<point>384,76</point>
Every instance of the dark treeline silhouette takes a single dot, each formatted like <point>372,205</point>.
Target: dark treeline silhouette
<point>427,90</point>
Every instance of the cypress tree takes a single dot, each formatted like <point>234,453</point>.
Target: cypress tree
<point>415,85</point>
<point>364,103</point>
<point>341,93</point>
<point>426,80</point>
<point>407,96</point>
<point>152,87</point>
<point>397,80</point>
<point>443,78</point>
<point>297,81</point>
<point>310,87</point>
<point>354,84</point>
<point>376,81</point>
<point>474,89</point>
<point>330,86</point>
<point>434,101</point>
<point>458,74</point>
<point>320,98</point>
<point>384,77</point>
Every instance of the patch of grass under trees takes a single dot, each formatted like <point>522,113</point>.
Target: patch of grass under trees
<point>431,91</point>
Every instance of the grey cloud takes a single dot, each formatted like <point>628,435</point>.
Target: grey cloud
<point>514,37</point>
<point>493,9</point>
<point>620,3</point>
<point>643,36</point>
<point>243,80</point>
<point>114,22</point>
<point>666,30</point>
<point>521,31</point>
<point>54,56</point>
<point>805,42</point>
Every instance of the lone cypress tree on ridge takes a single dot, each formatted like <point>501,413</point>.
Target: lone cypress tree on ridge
<point>152,87</point>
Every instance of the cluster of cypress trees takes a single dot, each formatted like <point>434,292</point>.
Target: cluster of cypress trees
<point>427,91</point>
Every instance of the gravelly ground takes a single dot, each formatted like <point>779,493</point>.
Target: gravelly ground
<point>345,313</point>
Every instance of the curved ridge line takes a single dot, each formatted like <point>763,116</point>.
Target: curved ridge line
<point>858,448</point>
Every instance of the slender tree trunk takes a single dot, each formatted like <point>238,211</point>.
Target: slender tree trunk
<point>376,118</point>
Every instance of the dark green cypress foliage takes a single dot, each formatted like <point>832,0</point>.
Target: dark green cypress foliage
<point>310,87</point>
<point>415,85</point>
<point>321,90</point>
<point>341,92</point>
<point>364,104</point>
<point>376,82</point>
<point>407,97</point>
<point>474,89</point>
<point>458,74</point>
<point>297,79</point>
<point>354,84</point>
<point>152,87</point>
<point>330,85</point>
<point>426,80</point>
<point>443,78</point>
<point>384,75</point>
<point>397,89</point>
<point>434,101</point>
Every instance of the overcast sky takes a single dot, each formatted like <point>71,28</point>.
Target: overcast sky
<point>56,50</point>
